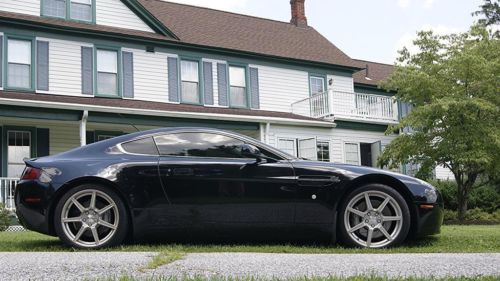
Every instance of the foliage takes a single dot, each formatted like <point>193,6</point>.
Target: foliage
<point>453,83</point>
<point>473,216</point>
<point>4,218</point>
<point>490,10</point>
<point>486,198</point>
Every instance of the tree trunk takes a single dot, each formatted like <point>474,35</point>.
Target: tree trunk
<point>462,202</point>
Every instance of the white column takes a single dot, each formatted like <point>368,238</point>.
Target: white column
<point>83,128</point>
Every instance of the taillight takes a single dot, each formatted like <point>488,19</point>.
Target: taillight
<point>31,173</point>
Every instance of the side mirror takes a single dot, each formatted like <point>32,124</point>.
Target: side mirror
<point>250,151</point>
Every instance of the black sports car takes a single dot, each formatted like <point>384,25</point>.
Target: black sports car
<point>195,180</point>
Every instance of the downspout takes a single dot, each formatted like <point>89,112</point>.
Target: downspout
<point>83,128</point>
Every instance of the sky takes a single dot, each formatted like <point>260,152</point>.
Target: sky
<point>364,29</point>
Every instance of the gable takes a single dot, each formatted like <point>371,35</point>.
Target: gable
<point>115,13</point>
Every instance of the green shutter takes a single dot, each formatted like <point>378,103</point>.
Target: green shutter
<point>1,66</point>
<point>42,65</point>
<point>128,74</point>
<point>254,88</point>
<point>173,80</point>
<point>222,84</point>
<point>87,71</point>
<point>42,142</point>
<point>1,151</point>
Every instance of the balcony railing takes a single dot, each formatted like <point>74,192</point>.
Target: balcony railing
<point>349,106</point>
<point>7,186</point>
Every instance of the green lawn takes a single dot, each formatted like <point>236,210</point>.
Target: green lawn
<point>453,239</point>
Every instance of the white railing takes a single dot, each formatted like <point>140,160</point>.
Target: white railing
<point>351,106</point>
<point>7,186</point>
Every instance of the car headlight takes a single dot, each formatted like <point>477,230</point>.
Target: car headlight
<point>431,194</point>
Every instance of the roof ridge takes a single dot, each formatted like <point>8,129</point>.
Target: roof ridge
<point>228,12</point>
<point>374,62</point>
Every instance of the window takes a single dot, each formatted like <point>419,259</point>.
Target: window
<point>351,151</point>
<point>238,86</point>
<point>190,81</point>
<point>54,8</point>
<point>199,145</point>
<point>317,85</point>
<point>288,146</point>
<point>80,10</point>
<point>323,151</point>
<point>19,64</point>
<point>107,72</point>
<point>143,146</point>
<point>18,148</point>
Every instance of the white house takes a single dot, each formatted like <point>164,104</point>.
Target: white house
<point>78,71</point>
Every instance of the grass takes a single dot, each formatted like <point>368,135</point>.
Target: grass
<point>162,258</point>
<point>355,278</point>
<point>453,239</point>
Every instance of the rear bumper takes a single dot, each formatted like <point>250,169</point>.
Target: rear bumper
<point>32,215</point>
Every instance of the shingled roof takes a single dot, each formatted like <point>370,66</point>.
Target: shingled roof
<point>376,72</point>
<point>208,27</point>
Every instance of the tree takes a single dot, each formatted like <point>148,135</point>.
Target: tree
<point>453,81</point>
<point>491,12</point>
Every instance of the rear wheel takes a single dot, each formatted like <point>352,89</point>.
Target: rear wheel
<point>374,216</point>
<point>90,217</point>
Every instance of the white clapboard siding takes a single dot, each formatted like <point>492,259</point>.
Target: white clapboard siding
<point>150,76</point>
<point>280,87</point>
<point>341,83</point>
<point>29,7</point>
<point>65,70</point>
<point>115,13</point>
<point>443,173</point>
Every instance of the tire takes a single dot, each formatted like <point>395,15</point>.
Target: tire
<point>82,226</point>
<point>381,226</point>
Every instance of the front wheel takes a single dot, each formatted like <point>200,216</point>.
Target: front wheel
<point>90,217</point>
<point>374,216</point>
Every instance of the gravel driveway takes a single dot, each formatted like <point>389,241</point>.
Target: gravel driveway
<point>90,265</point>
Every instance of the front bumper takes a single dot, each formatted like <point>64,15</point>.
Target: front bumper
<point>429,221</point>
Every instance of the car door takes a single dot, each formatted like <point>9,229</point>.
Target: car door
<point>207,181</point>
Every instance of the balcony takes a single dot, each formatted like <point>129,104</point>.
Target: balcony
<point>7,186</point>
<point>349,106</point>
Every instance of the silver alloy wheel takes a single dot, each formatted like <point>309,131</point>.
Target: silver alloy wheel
<point>373,219</point>
<point>90,218</point>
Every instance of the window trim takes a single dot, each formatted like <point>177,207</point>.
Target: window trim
<point>119,78</point>
<point>317,75</point>
<point>344,152</point>
<point>4,142</point>
<point>5,66</point>
<point>295,145</point>
<point>329,148</point>
<point>201,86</point>
<point>68,12</point>
<point>247,84</point>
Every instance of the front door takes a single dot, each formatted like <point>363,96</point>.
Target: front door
<point>207,180</point>
<point>18,148</point>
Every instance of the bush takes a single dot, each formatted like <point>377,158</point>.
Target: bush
<point>474,216</point>
<point>486,198</point>
<point>4,218</point>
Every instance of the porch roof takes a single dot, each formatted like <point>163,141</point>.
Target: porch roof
<point>160,109</point>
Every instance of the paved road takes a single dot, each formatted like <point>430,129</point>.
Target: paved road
<point>301,265</point>
<point>90,266</point>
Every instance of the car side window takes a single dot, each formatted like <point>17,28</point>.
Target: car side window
<point>199,145</point>
<point>143,146</point>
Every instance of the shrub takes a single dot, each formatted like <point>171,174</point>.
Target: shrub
<point>4,218</point>
<point>485,197</point>
<point>473,216</point>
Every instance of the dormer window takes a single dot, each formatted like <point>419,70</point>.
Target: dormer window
<point>77,10</point>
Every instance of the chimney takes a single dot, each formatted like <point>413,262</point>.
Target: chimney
<point>298,13</point>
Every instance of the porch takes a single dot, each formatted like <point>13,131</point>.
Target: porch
<point>349,106</point>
